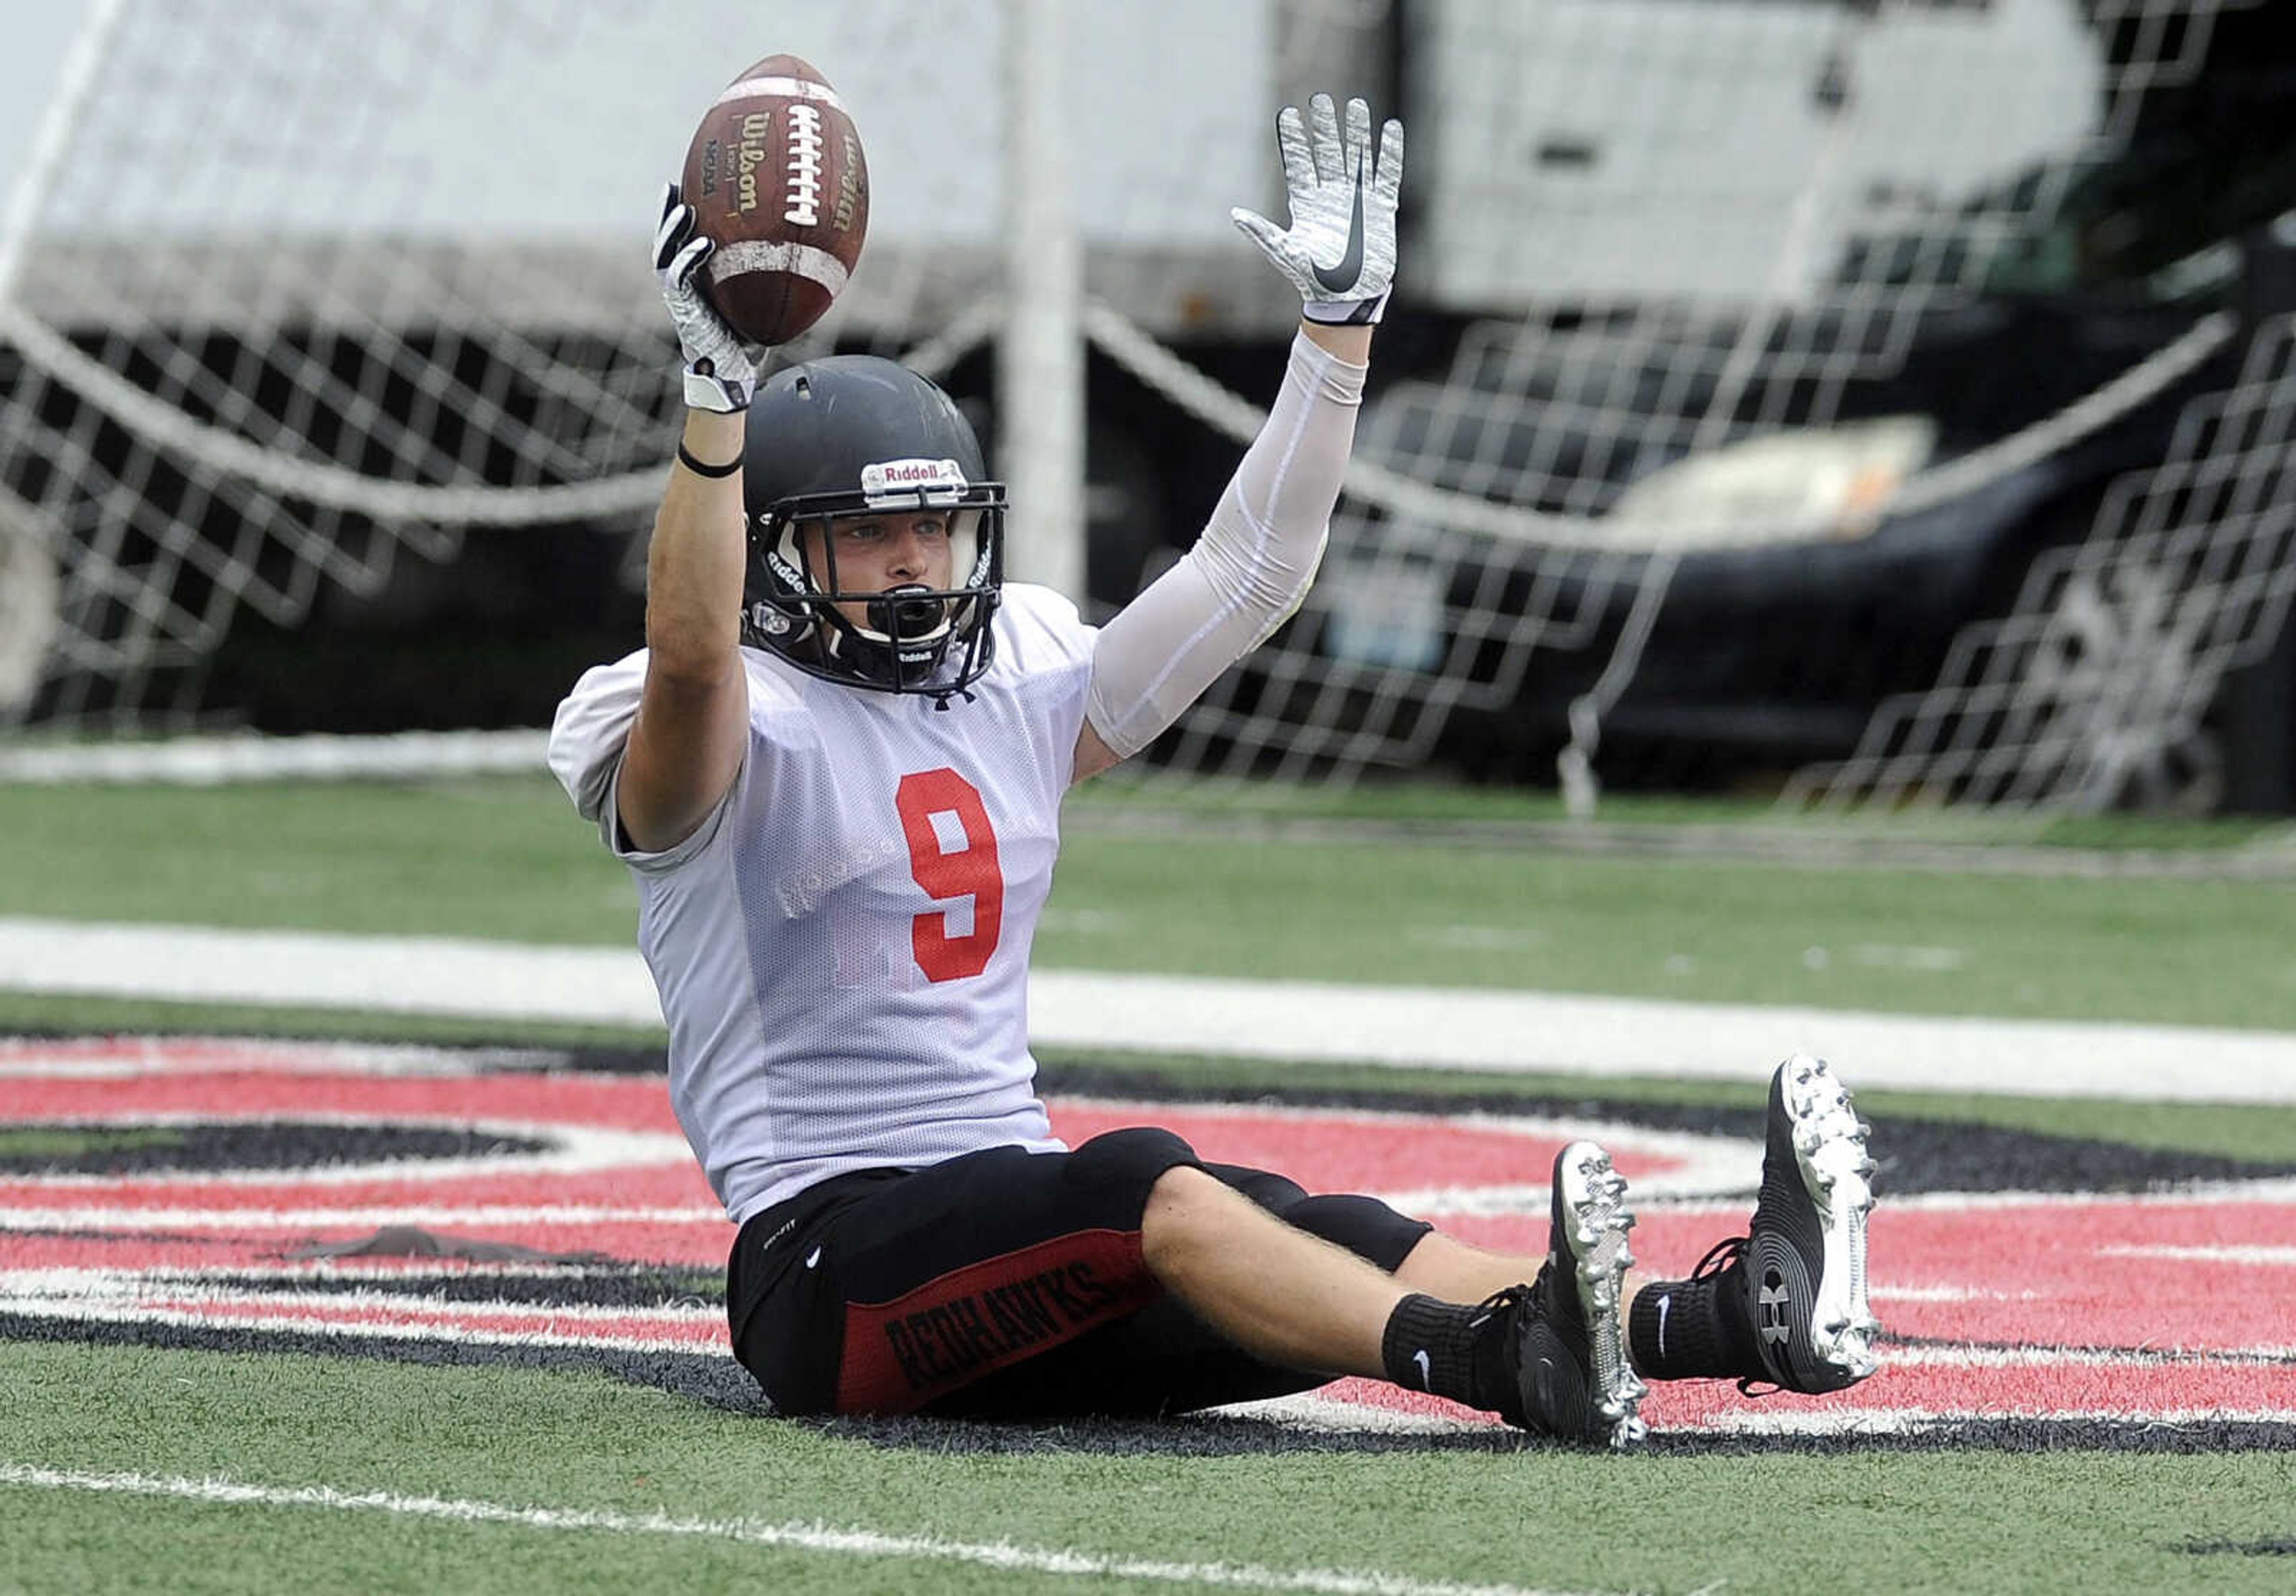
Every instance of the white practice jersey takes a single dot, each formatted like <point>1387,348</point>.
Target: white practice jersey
<point>842,947</point>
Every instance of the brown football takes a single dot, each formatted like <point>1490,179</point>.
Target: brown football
<point>777,180</point>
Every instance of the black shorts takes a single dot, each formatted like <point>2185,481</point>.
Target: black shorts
<point>1006,1284</point>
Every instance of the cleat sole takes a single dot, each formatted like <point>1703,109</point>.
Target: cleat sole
<point>1829,1144</point>
<point>1594,1198</point>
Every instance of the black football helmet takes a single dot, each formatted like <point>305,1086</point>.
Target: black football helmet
<point>858,435</point>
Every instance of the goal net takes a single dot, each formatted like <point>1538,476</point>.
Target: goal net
<point>1730,279</point>
<point>298,297</point>
<point>308,307</point>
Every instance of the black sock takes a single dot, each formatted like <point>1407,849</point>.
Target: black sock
<point>1693,1330</point>
<point>1429,1345</point>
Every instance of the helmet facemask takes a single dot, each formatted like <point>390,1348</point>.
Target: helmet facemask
<point>911,639</point>
<point>855,435</point>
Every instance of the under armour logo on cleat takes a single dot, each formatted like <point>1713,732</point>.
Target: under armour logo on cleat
<point>1426,1368</point>
<point>1771,1303</point>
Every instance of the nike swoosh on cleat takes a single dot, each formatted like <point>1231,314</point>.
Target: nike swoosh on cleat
<point>1664,1303</point>
<point>1343,276</point>
<point>1426,1368</point>
<point>813,1258</point>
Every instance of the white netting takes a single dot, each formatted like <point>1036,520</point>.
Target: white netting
<point>290,290</point>
<point>361,283</point>
<point>245,372</point>
<point>1716,232</point>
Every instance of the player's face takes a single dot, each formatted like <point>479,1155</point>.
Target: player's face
<point>876,554</point>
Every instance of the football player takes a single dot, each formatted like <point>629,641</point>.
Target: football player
<point>839,797</point>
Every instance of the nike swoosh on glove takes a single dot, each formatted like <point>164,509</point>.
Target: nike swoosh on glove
<point>1339,250</point>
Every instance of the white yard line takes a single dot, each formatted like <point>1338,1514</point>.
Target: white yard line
<point>2269,1256</point>
<point>1401,1026</point>
<point>801,1537</point>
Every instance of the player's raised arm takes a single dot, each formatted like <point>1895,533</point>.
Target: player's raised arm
<point>1254,563</point>
<point>693,721</point>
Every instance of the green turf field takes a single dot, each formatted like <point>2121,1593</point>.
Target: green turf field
<point>508,859</point>
<point>421,1445</point>
<point>151,1468</point>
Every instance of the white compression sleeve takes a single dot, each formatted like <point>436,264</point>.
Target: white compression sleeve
<point>1249,568</point>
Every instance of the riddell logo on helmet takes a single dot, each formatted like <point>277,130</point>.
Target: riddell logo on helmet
<point>913,473</point>
<point>903,479</point>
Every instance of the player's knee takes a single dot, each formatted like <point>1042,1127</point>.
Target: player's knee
<point>1188,1210</point>
<point>1364,1226</point>
<point>1276,1193</point>
<point>1128,1162</point>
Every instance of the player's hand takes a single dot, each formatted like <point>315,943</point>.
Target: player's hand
<point>1339,250</point>
<point>719,373</point>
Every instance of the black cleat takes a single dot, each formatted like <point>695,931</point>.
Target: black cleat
<point>1805,1252</point>
<point>1570,1374</point>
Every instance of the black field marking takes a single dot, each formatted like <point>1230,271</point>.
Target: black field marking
<point>2201,1437</point>
<point>2276,1546</point>
<point>703,1378</point>
<point>719,1382</point>
<point>1187,1435</point>
<point>1218,1435</point>
<point>227,1147</point>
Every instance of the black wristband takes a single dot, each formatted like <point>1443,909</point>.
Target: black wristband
<point>700,470</point>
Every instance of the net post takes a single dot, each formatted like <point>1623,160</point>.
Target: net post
<point>74,81</point>
<point>1040,354</point>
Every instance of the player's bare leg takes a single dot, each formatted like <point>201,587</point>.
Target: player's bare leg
<point>1544,1354</point>
<point>1446,1267</point>
<point>1213,1249</point>
<point>1275,1290</point>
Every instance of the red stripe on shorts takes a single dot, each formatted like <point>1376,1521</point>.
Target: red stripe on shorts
<point>958,1327</point>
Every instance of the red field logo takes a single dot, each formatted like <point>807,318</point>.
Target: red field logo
<point>329,1169</point>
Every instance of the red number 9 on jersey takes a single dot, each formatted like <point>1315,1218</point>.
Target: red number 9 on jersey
<point>970,872</point>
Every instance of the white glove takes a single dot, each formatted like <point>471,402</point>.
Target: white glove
<point>1340,251</point>
<point>719,373</point>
